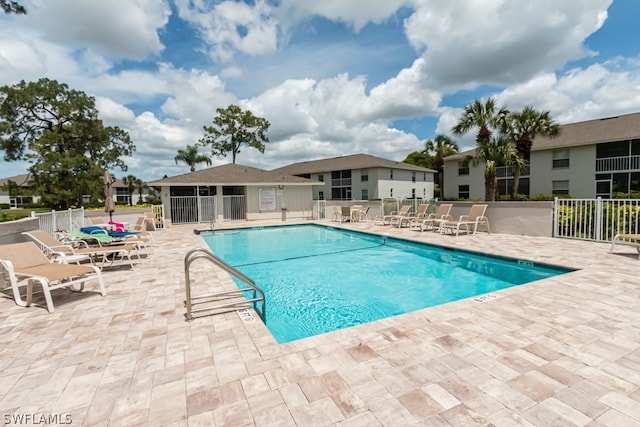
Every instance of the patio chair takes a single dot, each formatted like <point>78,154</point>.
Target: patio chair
<point>394,215</point>
<point>629,239</point>
<point>336,213</point>
<point>151,220</point>
<point>24,262</point>
<point>472,220</point>
<point>434,221</point>
<point>51,246</point>
<point>421,213</point>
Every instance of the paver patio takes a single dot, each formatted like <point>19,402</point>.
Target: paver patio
<point>561,351</point>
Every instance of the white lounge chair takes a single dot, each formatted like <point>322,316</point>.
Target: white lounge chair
<point>51,246</point>
<point>24,262</point>
<point>471,221</point>
<point>393,216</point>
<point>629,239</point>
<point>434,221</point>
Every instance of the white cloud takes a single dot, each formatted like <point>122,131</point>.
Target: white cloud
<point>467,43</point>
<point>230,26</point>
<point>354,13</point>
<point>115,28</point>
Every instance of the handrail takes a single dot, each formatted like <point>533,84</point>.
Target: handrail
<point>258,294</point>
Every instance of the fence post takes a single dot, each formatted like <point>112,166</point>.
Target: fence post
<point>598,234</point>
<point>556,207</point>
<point>54,226</point>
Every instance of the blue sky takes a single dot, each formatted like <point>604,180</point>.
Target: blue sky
<point>333,77</point>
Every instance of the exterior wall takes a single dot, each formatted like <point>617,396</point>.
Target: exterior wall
<point>402,184</point>
<point>295,200</point>
<point>580,173</point>
<point>379,184</point>
<point>517,218</point>
<point>475,180</point>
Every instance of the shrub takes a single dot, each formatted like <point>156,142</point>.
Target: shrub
<point>5,205</point>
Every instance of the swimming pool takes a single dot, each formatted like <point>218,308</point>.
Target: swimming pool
<point>319,279</point>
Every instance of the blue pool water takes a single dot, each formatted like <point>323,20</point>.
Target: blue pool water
<point>319,279</point>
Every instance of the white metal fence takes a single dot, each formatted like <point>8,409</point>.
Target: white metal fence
<point>595,219</point>
<point>234,208</point>
<point>192,210</point>
<point>71,219</point>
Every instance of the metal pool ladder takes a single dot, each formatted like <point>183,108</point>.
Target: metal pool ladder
<point>222,301</point>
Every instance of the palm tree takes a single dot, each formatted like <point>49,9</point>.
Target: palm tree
<point>131,182</point>
<point>522,127</point>
<point>442,146</point>
<point>191,157</point>
<point>482,116</point>
<point>493,152</point>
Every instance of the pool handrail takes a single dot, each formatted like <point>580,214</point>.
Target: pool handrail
<point>257,293</point>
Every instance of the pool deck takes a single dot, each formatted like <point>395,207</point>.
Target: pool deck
<point>562,351</point>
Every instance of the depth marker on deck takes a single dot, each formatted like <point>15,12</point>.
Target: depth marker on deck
<point>245,315</point>
<point>485,298</point>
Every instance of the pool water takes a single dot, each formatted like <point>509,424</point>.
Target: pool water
<point>319,279</point>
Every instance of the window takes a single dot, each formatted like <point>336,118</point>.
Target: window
<point>391,192</point>
<point>560,187</point>
<point>320,195</point>
<point>463,169</point>
<point>365,194</point>
<point>341,185</point>
<point>560,159</point>
<point>463,191</point>
<point>364,175</point>
<point>321,178</point>
<point>413,177</point>
<point>413,193</point>
<point>122,194</point>
<point>391,174</point>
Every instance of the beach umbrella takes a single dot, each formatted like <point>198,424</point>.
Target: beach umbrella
<point>109,205</point>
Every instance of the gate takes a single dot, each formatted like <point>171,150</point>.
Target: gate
<point>192,209</point>
<point>234,208</point>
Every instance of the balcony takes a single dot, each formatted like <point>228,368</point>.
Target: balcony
<point>341,182</point>
<point>618,164</point>
<point>507,172</point>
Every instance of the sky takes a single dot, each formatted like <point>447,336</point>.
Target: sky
<point>333,77</point>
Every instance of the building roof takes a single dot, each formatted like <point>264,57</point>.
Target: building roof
<point>233,174</point>
<point>608,129</point>
<point>354,161</point>
<point>22,180</point>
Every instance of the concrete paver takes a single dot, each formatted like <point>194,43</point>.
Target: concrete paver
<point>559,351</point>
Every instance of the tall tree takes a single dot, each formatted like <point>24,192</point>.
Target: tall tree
<point>493,152</point>
<point>10,6</point>
<point>233,128</point>
<point>191,157</point>
<point>523,127</point>
<point>420,158</point>
<point>485,117</point>
<point>442,146</point>
<point>132,182</point>
<point>58,131</point>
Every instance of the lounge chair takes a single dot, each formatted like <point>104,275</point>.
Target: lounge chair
<point>336,213</point>
<point>629,239</point>
<point>151,220</point>
<point>394,215</point>
<point>50,245</point>
<point>409,220</point>
<point>25,262</point>
<point>471,221</point>
<point>434,221</point>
